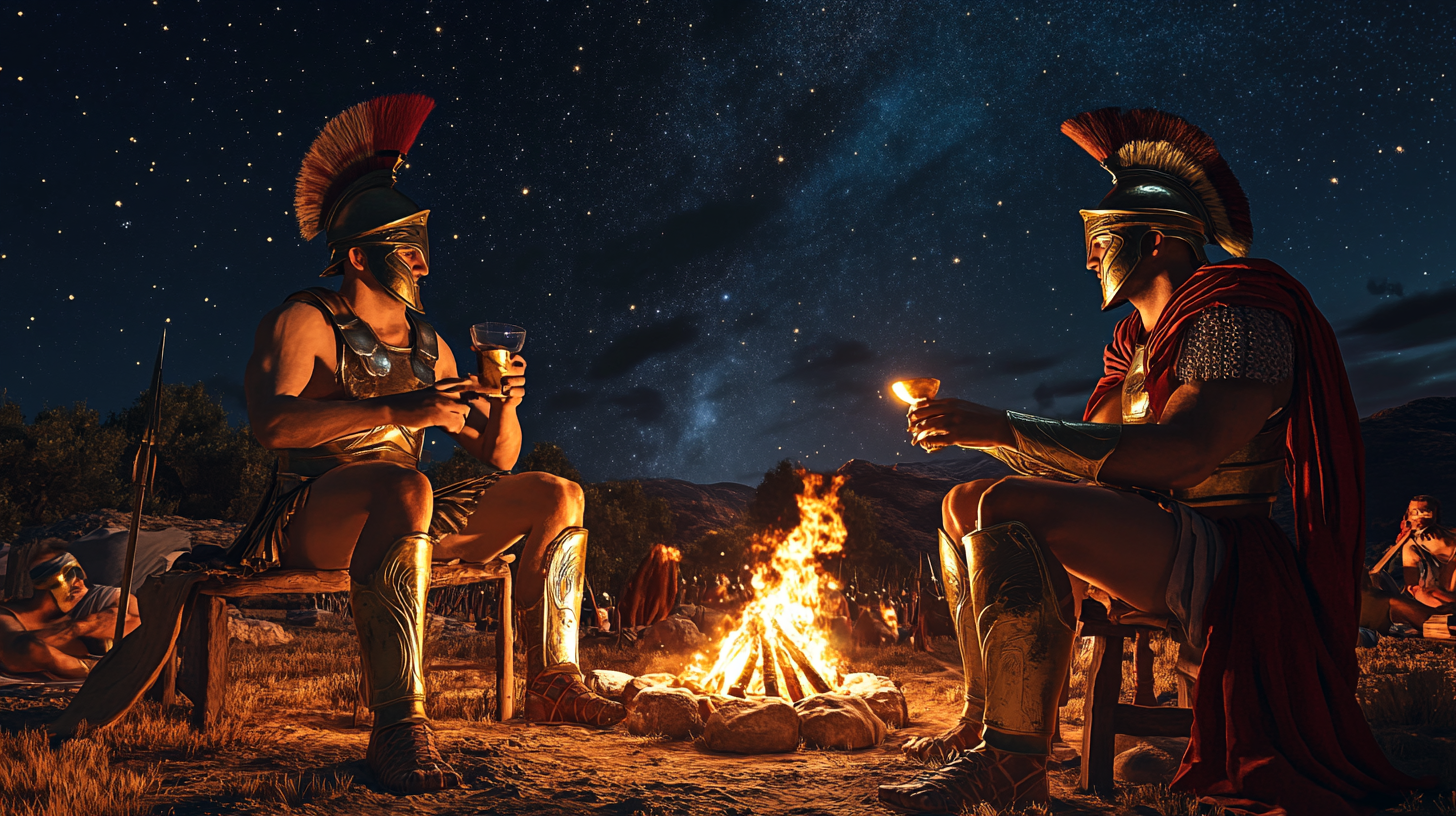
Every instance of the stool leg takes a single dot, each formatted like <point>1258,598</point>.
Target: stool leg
<point>210,656</point>
<point>1099,715</point>
<point>505,653</point>
<point>1143,658</point>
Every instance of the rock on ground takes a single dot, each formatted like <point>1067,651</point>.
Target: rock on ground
<point>607,683</point>
<point>840,721</point>
<point>768,726</point>
<point>668,711</point>
<point>883,696</point>
<point>637,685</point>
<point>1144,765</point>
<point>259,632</point>
<point>674,634</point>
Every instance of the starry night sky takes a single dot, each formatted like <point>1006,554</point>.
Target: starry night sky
<point>725,225</point>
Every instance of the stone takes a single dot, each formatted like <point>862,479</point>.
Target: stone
<point>671,712</point>
<point>883,696</point>
<point>768,726</point>
<point>637,685</point>
<point>674,635</point>
<point>839,721</point>
<point>1144,765</point>
<point>689,611</point>
<point>607,683</point>
<point>257,632</point>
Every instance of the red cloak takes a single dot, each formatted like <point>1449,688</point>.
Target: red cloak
<point>1276,729</point>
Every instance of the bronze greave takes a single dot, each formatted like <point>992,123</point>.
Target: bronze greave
<point>389,616</point>
<point>1025,636</point>
<point>550,627</point>
<point>956,579</point>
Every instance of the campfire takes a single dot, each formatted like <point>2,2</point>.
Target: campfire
<point>780,647</point>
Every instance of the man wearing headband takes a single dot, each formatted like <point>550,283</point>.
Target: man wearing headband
<point>64,626</point>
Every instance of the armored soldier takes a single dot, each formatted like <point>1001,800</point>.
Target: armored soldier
<point>1222,382</point>
<point>342,384</point>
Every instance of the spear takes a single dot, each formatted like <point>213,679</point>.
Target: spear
<point>143,471</point>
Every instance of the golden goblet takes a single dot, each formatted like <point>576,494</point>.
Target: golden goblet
<point>916,391</point>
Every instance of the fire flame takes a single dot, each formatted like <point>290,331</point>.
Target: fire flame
<point>780,648</point>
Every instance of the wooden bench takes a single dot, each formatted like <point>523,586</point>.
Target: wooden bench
<point>204,643</point>
<point>1103,717</point>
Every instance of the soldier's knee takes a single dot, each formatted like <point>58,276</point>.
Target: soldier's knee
<point>562,494</point>
<point>403,484</point>
<point>958,508</point>
<point>1013,498</point>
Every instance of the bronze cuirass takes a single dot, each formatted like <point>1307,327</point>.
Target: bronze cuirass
<point>367,368</point>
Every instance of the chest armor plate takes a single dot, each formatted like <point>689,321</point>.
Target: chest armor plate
<point>367,368</point>
<point>1251,475</point>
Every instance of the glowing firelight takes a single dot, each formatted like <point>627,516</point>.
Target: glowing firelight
<point>916,390</point>
<point>780,647</point>
<point>892,620</point>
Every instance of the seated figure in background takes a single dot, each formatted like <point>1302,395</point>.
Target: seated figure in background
<point>1428,561</point>
<point>62,629</point>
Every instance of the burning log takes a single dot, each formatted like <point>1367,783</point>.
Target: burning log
<point>799,659</point>
<point>791,677</point>
<point>740,688</point>
<point>770,671</point>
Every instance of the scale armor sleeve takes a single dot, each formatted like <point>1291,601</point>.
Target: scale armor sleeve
<point>1237,342</point>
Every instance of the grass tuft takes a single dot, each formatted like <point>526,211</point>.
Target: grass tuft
<point>75,778</point>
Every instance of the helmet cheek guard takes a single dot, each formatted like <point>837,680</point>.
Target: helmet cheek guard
<point>1124,230</point>
<point>59,576</point>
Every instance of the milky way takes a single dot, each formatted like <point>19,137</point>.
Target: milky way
<point>726,226</point>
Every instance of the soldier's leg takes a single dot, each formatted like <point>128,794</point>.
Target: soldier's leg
<point>1030,534</point>
<point>966,733</point>
<point>373,518</point>
<point>547,511</point>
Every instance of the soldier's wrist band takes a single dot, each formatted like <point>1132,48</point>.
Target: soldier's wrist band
<point>1075,449</point>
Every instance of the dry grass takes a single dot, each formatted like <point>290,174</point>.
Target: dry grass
<point>289,789</point>
<point>1165,678</point>
<point>76,778</point>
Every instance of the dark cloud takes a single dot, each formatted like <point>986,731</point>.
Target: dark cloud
<point>1421,319</point>
<point>825,361</point>
<point>636,345</point>
<point>653,259</point>
<point>1047,393</point>
<point>1384,287</point>
<point>1383,380</point>
<point>646,405</point>
<point>568,399</point>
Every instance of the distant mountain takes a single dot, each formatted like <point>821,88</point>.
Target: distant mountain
<point>907,496</point>
<point>700,509</point>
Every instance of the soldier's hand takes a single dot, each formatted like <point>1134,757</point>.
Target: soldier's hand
<point>441,405</point>
<point>942,422</point>
<point>513,386</point>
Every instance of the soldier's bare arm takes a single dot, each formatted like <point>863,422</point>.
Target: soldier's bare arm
<point>492,431</point>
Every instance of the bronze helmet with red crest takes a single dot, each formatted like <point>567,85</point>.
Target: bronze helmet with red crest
<point>345,190</point>
<point>1168,177</point>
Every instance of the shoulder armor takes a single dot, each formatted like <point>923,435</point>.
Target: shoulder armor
<point>427,349</point>
<point>356,333</point>
<point>1237,342</point>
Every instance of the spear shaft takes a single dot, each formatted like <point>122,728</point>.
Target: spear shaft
<point>143,470</point>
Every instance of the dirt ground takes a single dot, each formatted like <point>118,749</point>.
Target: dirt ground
<point>290,745</point>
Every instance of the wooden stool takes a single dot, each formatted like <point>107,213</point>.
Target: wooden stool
<point>205,640</point>
<point>1103,717</point>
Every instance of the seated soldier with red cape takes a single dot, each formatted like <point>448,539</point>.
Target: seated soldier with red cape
<point>1222,383</point>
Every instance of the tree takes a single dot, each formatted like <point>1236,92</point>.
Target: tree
<point>624,523</point>
<point>548,457</point>
<point>205,467</point>
<point>62,463</point>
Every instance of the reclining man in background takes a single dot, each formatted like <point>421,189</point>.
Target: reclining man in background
<point>64,627</point>
<point>342,384</point>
